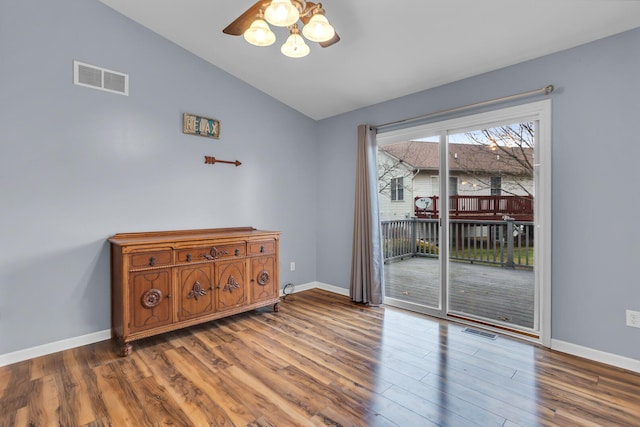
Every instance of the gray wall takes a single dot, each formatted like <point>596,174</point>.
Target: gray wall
<point>596,149</point>
<point>78,165</point>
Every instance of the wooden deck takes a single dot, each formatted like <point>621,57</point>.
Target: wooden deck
<point>519,208</point>
<point>492,293</point>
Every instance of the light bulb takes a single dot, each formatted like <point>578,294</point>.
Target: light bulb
<point>318,29</point>
<point>259,33</point>
<point>295,47</point>
<point>281,13</point>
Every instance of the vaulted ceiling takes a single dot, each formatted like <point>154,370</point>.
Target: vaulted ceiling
<point>388,48</point>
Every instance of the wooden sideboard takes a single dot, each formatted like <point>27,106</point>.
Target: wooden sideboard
<point>167,280</point>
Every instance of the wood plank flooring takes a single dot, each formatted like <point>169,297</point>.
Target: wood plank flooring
<point>320,361</point>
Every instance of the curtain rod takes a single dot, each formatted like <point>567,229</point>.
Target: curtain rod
<point>545,90</point>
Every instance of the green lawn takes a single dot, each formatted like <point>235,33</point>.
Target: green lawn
<point>478,255</point>
<point>482,254</point>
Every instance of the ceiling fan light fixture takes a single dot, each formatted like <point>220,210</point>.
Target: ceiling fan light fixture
<point>295,47</point>
<point>318,28</point>
<point>259,33</point>
<point>282,13</point>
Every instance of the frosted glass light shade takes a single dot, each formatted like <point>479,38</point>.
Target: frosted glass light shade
<point>281,13</point>
<point>295,47</point>
<point>318,29</point>
<point>259,34</point>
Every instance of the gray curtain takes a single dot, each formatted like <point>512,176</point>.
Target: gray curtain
<point>367,276</point>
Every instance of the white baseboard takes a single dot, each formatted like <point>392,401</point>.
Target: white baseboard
<point>299,288</point>
<point>54,347</point>
<point>335,289</point>
<point>596,355</point>
<point>319,285</point>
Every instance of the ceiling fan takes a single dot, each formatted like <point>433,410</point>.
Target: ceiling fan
<point>284,13</point>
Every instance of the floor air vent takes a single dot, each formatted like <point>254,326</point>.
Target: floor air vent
<point>100,78</point>
<point>478,333</point>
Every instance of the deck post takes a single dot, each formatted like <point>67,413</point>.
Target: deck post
<point>509,236</point>
<point>414,236</point>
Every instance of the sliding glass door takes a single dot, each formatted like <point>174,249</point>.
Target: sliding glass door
<point>469,237</point>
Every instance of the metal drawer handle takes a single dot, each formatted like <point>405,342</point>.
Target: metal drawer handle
<point>152,261</point>
<point>262,248</point>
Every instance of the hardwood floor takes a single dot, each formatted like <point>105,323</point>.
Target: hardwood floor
<point>321,360</point>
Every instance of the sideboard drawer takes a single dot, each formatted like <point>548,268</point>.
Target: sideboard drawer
<point>150,259</point>
<point>231,251</point>
<point>211,253</point>
<point>262,247</point>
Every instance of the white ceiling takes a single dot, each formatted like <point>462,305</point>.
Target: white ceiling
<point>388,48</point>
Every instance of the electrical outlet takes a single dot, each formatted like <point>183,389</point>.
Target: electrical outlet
<point>293,268</point>
<point>633,318</point>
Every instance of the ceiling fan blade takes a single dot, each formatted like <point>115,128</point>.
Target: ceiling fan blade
<point>242,22</point>
<point>333,40</point>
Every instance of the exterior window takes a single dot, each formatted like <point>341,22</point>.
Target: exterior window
<point>453,185</point>
<point>496,186</point>
<point>397,189</point>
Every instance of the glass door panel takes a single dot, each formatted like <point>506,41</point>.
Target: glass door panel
<point>409,211</point>
<point>491,226</point>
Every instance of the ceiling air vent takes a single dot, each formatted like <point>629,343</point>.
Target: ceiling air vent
<point>100,78</point>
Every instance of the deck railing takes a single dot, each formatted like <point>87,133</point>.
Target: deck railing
<point>507,243</point>
<point>480,207</point>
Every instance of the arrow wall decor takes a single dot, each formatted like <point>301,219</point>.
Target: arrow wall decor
<point>210,160</point>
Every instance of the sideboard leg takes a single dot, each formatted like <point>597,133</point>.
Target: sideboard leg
<point>276,307</point>
<point>126,349</point>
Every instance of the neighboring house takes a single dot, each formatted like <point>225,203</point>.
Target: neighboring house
<point>474,170</point>
<point>395,187</point>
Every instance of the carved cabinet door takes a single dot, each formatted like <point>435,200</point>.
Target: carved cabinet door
<point>196,291</point>
<point>150,299</point>
<point>263,282</point>
<point>230,284</point>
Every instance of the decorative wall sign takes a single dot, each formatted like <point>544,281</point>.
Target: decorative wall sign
<point>210,160</point>
<point>202,126</point>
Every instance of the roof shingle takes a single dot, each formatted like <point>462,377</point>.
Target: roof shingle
<point>478,158</point>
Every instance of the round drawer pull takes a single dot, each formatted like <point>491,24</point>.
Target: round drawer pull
<point>263,278</point>
<point>152,298</point>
